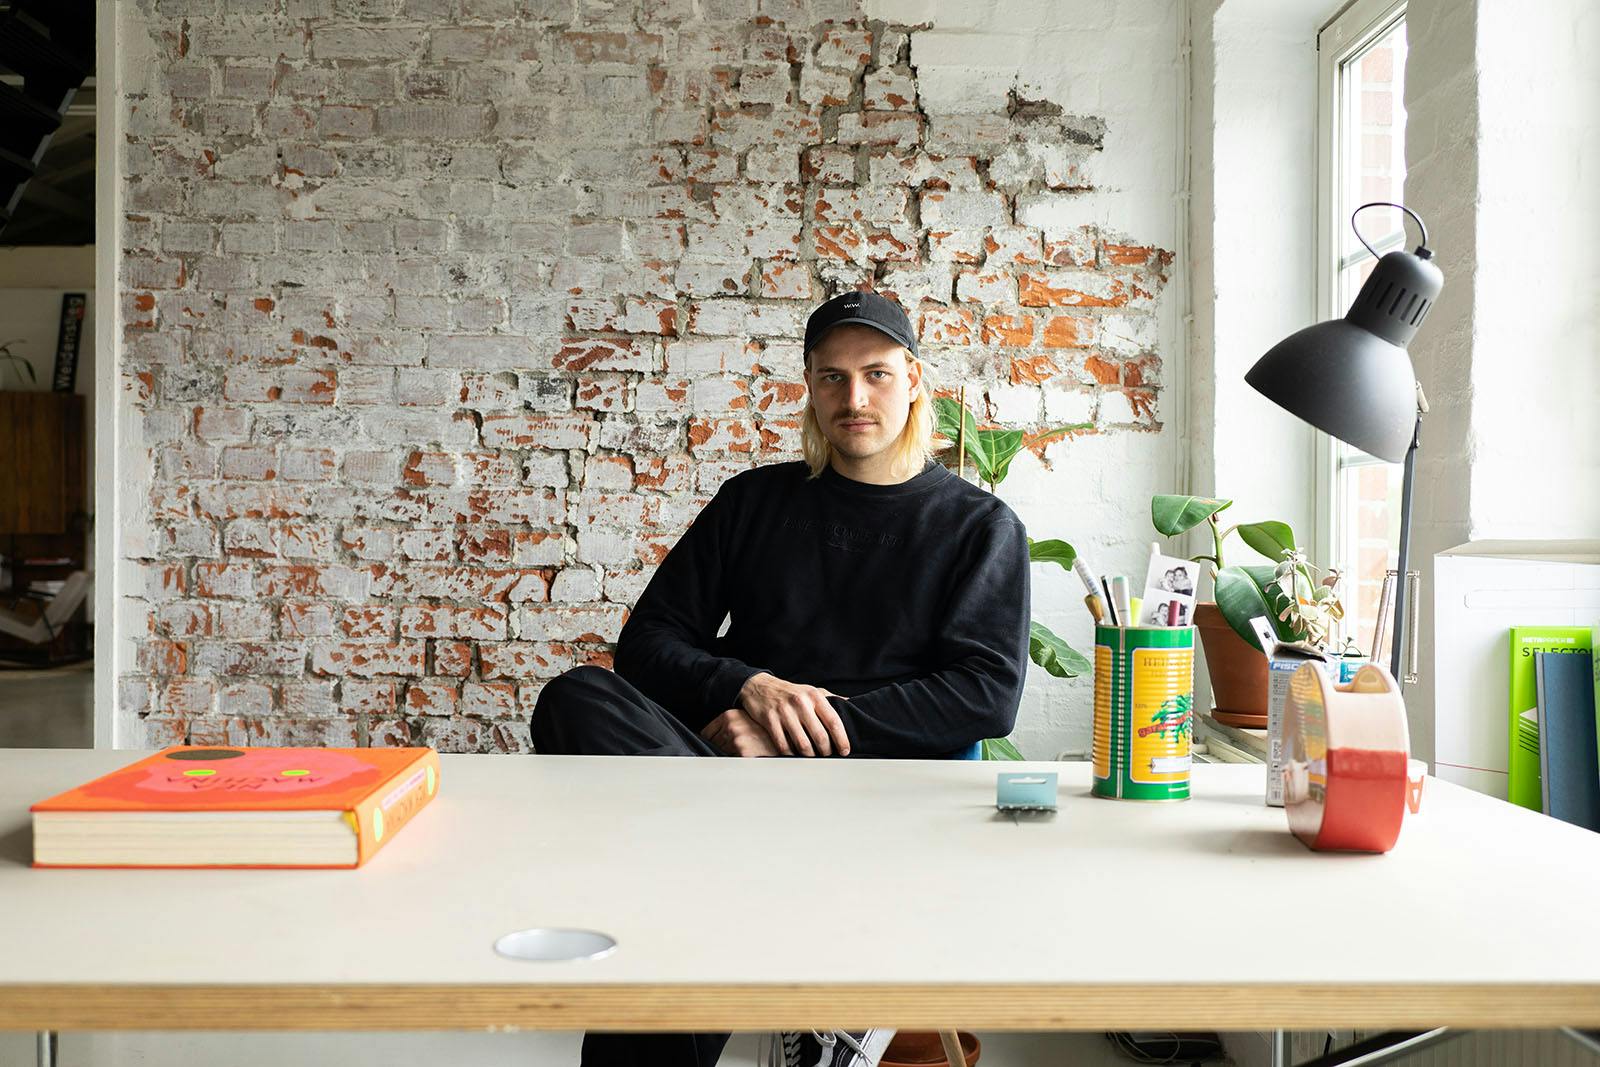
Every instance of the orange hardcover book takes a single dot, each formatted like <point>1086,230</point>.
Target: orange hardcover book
<point>238,807</point>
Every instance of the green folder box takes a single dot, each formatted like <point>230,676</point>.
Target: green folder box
<point>1523,754</point>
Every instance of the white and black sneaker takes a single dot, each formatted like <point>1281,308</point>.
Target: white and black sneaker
<point>828,1048</point>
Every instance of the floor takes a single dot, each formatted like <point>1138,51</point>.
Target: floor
<point>47,709</point>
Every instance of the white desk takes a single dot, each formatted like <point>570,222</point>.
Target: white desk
<point>765,894</point>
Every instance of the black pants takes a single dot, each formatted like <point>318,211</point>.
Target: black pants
<point>590,711</point>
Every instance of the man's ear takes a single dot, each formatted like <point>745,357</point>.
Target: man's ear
<point>914,372</point>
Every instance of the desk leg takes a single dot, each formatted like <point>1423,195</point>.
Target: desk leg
<point>47,1048</point>
<point>1383,1048</point>
<point>1589,1039</point>
<point>1280,1049</point>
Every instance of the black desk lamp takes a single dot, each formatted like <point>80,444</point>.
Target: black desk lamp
<point>1352,378</point>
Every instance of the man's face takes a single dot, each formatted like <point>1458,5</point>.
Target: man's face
<point>861,384</point>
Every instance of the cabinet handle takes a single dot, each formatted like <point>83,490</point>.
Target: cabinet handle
<point>1413,639</point>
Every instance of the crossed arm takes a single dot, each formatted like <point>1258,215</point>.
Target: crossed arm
<point>779,718</point>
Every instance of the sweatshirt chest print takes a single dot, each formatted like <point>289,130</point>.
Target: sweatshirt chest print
<point>848,538</point>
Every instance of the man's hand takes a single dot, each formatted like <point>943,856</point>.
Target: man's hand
<point>797,717</point>
<point>736,734</point>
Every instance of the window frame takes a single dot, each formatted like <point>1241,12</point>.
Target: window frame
<point>1349,31</point>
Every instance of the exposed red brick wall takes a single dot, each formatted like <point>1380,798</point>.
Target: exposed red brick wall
<point>442,318</point>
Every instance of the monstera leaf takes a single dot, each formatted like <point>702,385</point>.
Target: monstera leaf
<point>991,451</point>
<point>1052,552</point>
<point>1054,654</point>
<point>948,417</point>
<point>999,448</point>
<point>951,419</point>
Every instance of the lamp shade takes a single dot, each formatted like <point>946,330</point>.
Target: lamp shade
<point>1351,377</point>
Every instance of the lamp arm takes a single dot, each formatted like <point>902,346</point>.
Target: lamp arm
<point>1400,588</point>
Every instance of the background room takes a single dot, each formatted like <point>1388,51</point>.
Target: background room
<point>48,376</point>
<point>433,324</point>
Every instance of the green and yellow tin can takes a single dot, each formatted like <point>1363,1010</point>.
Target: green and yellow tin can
<point>1143,711</point>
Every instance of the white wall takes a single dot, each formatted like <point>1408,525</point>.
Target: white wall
<point>31,320</point>
<point>1536,350</point>
<point>1503,147</point>
<point>1121,61</point>
<point>32,282</point>
<point>58,267</point>
<point>1441,186</point>
<point>1097,496</point>
<point>1253,136</point>
<point>1252,242</point>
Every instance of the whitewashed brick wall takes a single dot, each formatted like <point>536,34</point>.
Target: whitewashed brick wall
<point>442,318</point>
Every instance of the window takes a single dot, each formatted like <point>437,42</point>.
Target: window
<point>1361,103</point>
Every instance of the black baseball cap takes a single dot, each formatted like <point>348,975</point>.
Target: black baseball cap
<point>866,309</point>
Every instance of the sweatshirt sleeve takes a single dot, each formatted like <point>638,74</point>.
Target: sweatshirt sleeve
<point>664,648</point>
<point>982,653</point>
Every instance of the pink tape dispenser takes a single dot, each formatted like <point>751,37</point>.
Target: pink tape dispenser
<point>1346,750</point>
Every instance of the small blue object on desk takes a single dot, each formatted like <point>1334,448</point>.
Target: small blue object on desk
<point>1026,792</point>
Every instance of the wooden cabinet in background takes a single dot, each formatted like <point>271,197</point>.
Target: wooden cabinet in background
<point>42,457</point>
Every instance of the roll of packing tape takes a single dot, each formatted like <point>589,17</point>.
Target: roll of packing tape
<point>1346,750</point>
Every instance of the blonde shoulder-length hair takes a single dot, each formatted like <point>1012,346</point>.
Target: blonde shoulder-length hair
<point>910,452</point>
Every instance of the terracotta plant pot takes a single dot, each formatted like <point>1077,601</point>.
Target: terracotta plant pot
<point>917,1049</point>
<point>1238,670</point>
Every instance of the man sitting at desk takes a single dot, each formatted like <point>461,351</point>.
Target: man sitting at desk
<point>877,605</point>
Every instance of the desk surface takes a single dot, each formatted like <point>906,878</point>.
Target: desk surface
<point>753,894</point>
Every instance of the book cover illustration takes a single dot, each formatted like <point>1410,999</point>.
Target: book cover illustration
<point>1522,757</point>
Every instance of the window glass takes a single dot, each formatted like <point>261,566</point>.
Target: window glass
<point>1370,109</point>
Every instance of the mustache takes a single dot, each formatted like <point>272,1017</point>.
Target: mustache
<point>855,417</point>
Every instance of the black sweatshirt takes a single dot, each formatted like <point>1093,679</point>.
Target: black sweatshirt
<point>910,599</point>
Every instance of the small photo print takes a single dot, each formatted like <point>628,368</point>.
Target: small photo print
<point>1170,580</point>
<point>1175,579</point>
<point>1158,610</point>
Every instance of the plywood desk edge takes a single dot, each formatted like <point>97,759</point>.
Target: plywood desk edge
<point>770,1007</point>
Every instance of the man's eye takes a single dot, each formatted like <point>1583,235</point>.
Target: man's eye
<point>833,378</point>
<point>880,374</point>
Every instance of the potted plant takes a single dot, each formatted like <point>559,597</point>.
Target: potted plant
<point>9,360</point>
<point>926,1049</point>
<point>1300,600</point>
<point>991,452</point>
